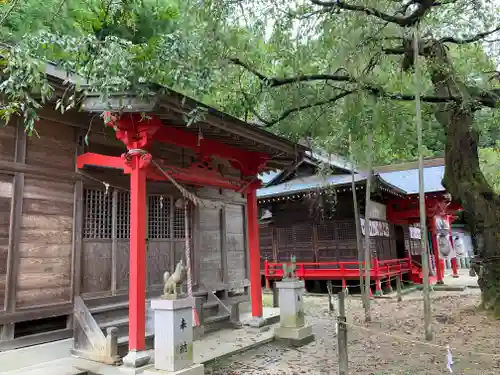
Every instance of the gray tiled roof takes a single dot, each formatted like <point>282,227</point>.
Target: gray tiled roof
<point>307,183</point>
<point>408,180</point>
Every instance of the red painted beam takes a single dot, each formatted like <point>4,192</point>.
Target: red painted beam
<point>151,128</point>
<point>98,160</point>
<point>193,175</point>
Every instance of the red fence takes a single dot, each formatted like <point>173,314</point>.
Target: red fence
<point>383,269</point>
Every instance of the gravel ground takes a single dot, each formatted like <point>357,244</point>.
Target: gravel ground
<point>390,345</point>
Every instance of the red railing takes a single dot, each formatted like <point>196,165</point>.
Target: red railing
<point>339,270</point>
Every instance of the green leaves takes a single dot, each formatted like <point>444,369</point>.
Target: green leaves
<point>490,161</point>
<point>187,45</point>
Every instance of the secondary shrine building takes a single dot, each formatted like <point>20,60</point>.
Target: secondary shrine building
<point>94,206</point>
<point>311,215</point>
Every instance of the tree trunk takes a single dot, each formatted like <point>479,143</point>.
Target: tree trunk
<point>464,179</point>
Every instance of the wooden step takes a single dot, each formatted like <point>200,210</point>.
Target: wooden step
<point>217,319</point>
<point>218,322</point>
<point>124,339</point>
<point>236,299</point>
<point>109,307</point>
<point>113,323</point>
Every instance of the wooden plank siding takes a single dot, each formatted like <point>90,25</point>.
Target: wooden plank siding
<point>5,209</point>
<point>235,243</point>
<point>46,237</point>
<point>7,331</point>
<point>295,230</point>
<point>7,141</point>
<point>210,255</point>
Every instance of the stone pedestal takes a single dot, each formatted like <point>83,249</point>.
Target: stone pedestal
<point>292,327</point>
<point>174,337</point>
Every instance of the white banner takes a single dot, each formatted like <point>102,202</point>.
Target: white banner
<point>377,228</point>
<point>442,223</point>
<point>415,232</point>
<point>378,211</point>
<point>446,250</point>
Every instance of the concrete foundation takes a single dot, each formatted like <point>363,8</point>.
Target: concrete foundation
<point>135,359</point>
<point>191,370</point>
<point>294,336</point>
<point>256,322</point>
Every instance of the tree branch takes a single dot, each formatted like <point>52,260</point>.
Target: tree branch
<point>319,103</point>
<point>471,39</point>
<point>405,21</point>
<point>8,12</point>
<point>276,81</point>
<point>490,98</point>
<point>288,112</point>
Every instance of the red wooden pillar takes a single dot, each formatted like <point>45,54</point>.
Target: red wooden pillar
<point>378,282</point>
<point>454,266</point>
<point>137,284</point>
<point>254,253</point>
<point>439,265</point>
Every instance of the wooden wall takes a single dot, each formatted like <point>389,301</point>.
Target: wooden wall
<point>222,248</point>
<point>296,231</point>
<point>37,191</point>
<point>64,234</point>
<point>234,219</point>
<point>7,153</point>
<point>210,251</point>
<point>46,228</point>
<point>5,207</point>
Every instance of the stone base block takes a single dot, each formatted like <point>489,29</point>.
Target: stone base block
<point>196,369</point>
<point>198,332</point>
<point>136,359</point>
<point>294,336</point>
<point>257,322</point>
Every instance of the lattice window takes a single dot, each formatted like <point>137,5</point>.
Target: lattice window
<point>159,218</point>
<point>123,215</point>
<point>326,231</point>
<point>97,221</point>
<point>285,236</point>
<point>179,226</point>
<point>346,230</point>
<point>302,233</point>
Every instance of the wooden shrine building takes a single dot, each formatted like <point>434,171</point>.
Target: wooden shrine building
<point>311,215</point>
<point>90,214</point>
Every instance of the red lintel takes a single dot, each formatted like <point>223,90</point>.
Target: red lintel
<point>193,175</point>
<point>136,131</point>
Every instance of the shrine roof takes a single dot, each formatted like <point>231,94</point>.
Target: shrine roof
<point>309,183</point>
<point>407,180</point>
<point>173,107</point>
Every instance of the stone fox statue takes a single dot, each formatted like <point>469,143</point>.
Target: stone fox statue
<point>171,281</point>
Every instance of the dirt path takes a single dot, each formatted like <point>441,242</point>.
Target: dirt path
<point>457,322</point>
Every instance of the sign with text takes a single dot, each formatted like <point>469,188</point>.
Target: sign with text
<point>377,228</point>
<point>415,232</point>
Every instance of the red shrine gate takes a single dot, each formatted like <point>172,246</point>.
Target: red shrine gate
<point>439,210</point>
<point>138,134</point>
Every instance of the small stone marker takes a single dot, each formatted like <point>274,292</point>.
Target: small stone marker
<point>174,337</point>
<point>292,327</point>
